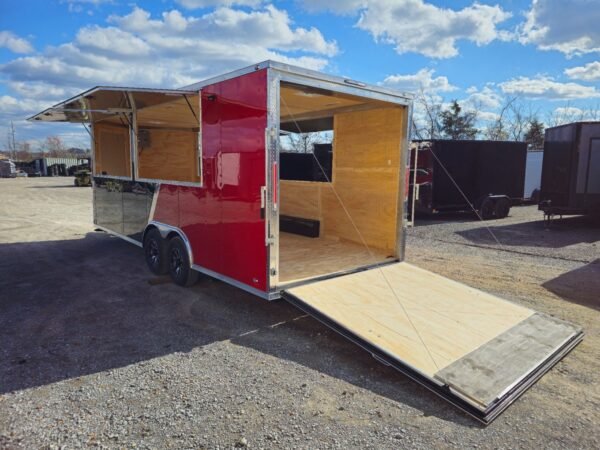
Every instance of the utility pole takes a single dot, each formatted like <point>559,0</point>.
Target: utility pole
<point>12,142</point>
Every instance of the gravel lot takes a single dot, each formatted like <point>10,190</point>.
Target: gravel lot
<point>96,352</point>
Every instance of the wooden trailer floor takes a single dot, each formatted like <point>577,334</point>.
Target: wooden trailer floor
<point>475,343</point>
<point>302,257</point>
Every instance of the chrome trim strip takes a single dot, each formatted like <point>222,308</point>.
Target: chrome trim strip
<point>173,183</point>
<point>235,283</point>
<point>119,235</point>
<point>154,201</point>
<point>272,180</point>
<point>402,218</point>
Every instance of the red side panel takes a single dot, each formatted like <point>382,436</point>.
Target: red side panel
<point>167,205</point>
<point>241,173</point>
<point>222,219</point>
<point>201,207</point>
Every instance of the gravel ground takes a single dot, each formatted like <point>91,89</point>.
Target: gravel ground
<point>96,352</point>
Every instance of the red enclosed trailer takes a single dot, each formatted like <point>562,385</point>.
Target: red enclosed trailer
<point>193,176</point>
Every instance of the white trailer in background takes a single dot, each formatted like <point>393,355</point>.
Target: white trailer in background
<point>533,175</point>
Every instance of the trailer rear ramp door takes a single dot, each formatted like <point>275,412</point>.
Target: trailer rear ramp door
<point>474,349</point>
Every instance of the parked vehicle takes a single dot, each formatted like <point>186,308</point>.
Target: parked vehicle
<point>200,190</point>
<point>7,169</point>
<point>458,175</point>
<point>83,178</point>
<point>571,170</point>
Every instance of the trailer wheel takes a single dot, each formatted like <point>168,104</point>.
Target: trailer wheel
<point>502,208</point>
<point>155,252</point>
<point>486,210</point>
<point>179,263</point>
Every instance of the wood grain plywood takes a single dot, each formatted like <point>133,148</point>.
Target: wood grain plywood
<point>300,199</point>
<point>301,257</point>
<point>296,101</point>
<point>371,205</point>
<point>421,318</point>
<point>112,154</point>
<point>170,156</point>
<point>366,176</point>
<point>174,114</point>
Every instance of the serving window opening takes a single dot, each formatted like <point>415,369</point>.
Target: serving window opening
<point>340,165</point>
<point>144,135</point>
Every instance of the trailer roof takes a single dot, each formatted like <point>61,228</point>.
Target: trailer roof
<point>298,73</point>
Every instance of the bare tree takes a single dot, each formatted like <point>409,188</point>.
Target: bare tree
<point>54,147</point>
<point>513,121</point>
<point>565,114</point>
<point>427,121</point>
<point>23,152</point>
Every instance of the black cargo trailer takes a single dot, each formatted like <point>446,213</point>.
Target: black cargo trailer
<point>453,175</point>
<point>571,170</point>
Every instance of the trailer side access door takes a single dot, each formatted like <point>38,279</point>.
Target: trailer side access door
<point>474,349</point>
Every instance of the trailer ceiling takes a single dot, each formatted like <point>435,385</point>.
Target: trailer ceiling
<point>309,109</point>
<point>103,102</point>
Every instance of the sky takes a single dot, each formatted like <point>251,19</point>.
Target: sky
<point>544,52</point>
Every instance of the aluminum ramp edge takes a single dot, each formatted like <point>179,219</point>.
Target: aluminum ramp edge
<point>443,391</point>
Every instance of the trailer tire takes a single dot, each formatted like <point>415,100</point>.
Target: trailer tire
<point>502,208</point>
<point>179,263</point>
<point>155,252</point>
<point>486,210</point>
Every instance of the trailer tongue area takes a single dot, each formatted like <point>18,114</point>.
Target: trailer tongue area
<point>475,350</point>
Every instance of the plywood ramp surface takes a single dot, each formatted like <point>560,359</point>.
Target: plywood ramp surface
<point>421,318</point>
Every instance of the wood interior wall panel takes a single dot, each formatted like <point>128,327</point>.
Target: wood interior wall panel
<point>112,155</point>
<point>366,176</point>
<point>171,155</point>
<point>369,198</point>
<point>175,114</point>
<point>300,199</point>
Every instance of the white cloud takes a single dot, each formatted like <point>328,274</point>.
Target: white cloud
<point>168,50</point>
<point>196,4</point>
<point>484,99</point>
<point>545,87</point>
<point>420,27</point>
<point>568,26</point>
<point>14,43</point>
<point>423,80</point>
<point>589,72</point>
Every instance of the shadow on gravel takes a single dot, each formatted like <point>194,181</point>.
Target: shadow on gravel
<point>581,286</point>
<point>561,233</point>
<point>76,307</point>
<point>424,220</point>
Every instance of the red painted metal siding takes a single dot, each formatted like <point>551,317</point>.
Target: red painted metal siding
<point>222,219</point>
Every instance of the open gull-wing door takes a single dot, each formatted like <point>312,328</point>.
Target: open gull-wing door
<point>476,350</point>
<point>103,102</point>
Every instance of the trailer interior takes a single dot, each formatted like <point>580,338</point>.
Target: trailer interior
<point>350,203</point>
